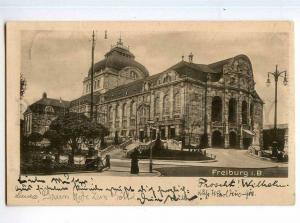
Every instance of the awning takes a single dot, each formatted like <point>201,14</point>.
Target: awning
<point>248,133</point>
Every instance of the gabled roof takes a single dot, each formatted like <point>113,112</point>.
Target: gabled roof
<point>53,102</point>
<point>196,71</point>
<point>39,105</point>
<point>85,99</point>
<point>198,67</point>
<point>218,66</point>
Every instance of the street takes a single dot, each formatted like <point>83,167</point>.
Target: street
<point>232,159</point>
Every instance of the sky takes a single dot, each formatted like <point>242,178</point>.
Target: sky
<point>57,61</point>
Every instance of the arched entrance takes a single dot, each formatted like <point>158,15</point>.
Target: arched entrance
<point>247,142</point>
<point>232,110</point>
<point>217,139</point>
<point>216,109</point>
<point>232,140</point>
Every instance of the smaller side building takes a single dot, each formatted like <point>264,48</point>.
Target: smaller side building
<point>282,136</point>
<point>39,115</point>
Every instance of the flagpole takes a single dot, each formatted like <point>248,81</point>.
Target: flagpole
<point>92,76</point>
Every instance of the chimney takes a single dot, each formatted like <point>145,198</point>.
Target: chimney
<point>60,101</point>
<point>191,57</point>
<point>44,95</point>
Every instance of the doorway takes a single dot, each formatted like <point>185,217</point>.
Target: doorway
<point>172,133</point>
<point>163,133</point>
<point>217,139</point>
<point>232,140</point>
<point>142,135</point>
<point>247,142</point>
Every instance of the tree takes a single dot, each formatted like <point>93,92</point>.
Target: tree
<point>74,129</point>
<point>55,139</point>
<point>23,85</point>
<point>35,137</point>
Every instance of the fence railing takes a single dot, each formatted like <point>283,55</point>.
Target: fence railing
<point>125,144</point>
<point>106,150</point>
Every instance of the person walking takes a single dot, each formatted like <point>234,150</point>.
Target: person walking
<point>107,161</point>
<point>134,162</point>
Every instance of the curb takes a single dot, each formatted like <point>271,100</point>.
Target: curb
<point>264,159</point>
<point>169,161</point>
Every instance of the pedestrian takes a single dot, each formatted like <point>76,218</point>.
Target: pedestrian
<point>107,161</point>
<point>134,162</point>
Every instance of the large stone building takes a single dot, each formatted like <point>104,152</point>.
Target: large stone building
<point>185,100</point>
<point>39,115</point>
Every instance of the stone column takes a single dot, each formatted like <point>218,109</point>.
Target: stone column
<point>113,116</point>
<point>121,117</point>
<point>225,121</point>
<point>209,138</point>
<point>182,101</point>
<point>249,115</point>
<point>152,100</point>
<point>241,138</point>
<point>239,114</point>
<point>167,131</point>
<point>128,117</point>
<point>161,101</point>
<point>171,96</point>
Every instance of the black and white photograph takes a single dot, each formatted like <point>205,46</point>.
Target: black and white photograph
<point>168,103</point>
<point>150,113</point>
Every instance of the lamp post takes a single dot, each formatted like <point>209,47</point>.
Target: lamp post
<point>92,75</point>
<point>93,72</point>
<point>205,135</point>
<point>150,123</point>
<point>276,76</point>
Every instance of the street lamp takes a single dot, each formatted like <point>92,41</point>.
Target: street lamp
<point>93,72</point>
<point>204,140</point>
<point>276,76</point>
<point>150,123</point>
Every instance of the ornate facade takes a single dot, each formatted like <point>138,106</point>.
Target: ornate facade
<point>185,100</point>
<point>39,115</point>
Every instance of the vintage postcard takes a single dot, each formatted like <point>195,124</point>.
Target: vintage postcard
<point>150,113</point>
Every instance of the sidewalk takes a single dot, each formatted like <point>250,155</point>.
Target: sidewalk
<point>124,171</point>
<point>169,162</point>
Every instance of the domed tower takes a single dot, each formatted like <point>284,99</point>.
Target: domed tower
<point>117,68</point>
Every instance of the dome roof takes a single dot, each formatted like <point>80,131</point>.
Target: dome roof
<point>118,58</point>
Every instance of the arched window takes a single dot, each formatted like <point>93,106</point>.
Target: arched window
<point>132,108</point>
<point>167,79</point>
<point>110,113</point>
<point>146,86</point>
<point>244,112</point>
<point>156,106</point>
<point>133,74</point>
<point>252,114</point>
<point>177,103</point>
<point>124,110</point>
<point>49,109</point>
<point>117,111</point>
<point>232,110</point>
<point>216,109</point>
<point>166,105</point>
